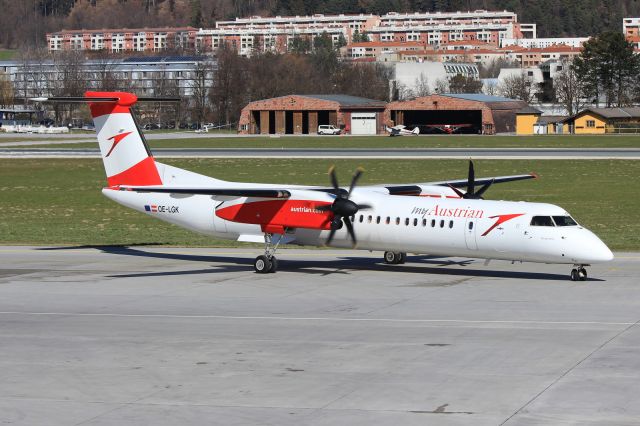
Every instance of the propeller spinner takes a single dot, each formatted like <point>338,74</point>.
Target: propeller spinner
<point>342,207</point>
<point>471,186</point>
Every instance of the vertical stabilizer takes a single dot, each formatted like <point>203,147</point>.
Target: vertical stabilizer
<point>126,156</point>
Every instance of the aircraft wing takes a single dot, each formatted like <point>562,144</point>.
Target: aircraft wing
<point>231,192</point>
<point>460,183</point>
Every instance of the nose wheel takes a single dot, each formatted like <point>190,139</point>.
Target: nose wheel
<point>579,273</point>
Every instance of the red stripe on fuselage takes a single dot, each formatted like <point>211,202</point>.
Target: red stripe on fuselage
<point>144,173</point>
<point>286,213</point>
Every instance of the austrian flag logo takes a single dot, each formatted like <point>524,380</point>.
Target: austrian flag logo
<point>151,208</point>
<point>116,140</point>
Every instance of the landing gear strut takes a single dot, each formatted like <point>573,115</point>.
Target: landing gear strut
<point>579,273</point>
<point>394,257</point>
<point>267,263</point>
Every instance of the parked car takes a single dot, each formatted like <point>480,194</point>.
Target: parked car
<point>328,129</point>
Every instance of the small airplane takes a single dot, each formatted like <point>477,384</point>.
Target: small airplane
<point>401,130</point>
<point>449,128</point>
<point>436,218</point>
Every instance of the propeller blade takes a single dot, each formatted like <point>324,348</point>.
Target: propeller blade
<point>483,189</point>
<point>334,180</point>
<point>352,234</point>
<point>457,191</point>
<point>330,237</point>
<point>471,180</point>
<point>364,207</point>
<point>354,180</point>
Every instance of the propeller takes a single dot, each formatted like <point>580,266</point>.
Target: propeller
<point>342,207</point>
<point>471,186</point>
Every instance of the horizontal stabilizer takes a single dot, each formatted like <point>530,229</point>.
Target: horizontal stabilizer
<point>461,183</point>
<point>231,192</point>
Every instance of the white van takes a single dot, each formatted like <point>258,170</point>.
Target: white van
<point>328,129</point>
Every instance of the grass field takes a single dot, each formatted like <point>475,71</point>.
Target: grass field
<point>59,201</point>
<point>7,55</point>
<point>455,141</point>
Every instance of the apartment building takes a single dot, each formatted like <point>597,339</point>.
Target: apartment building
<point>123,39</point>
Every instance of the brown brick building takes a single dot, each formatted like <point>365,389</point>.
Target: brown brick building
<point>477,113</point>
<point>302,114</point>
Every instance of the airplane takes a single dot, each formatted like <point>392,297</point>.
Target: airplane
<point>401,130</point>
<point>448,128</point>
<point>436,218</point>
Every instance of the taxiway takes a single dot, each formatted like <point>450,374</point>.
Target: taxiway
<point>165,336</point>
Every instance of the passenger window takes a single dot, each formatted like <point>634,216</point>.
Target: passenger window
<point>450,224</point>
<point>388,220</point>
<point>470,226</point>
<point>361,217</point>
<point>433,223</point>
<point>369,219</point>
<point>541,221</point>
<point>424,222</point>
<point>442,223</point>
<point>564,221</point>
<point>397,221</point>
<point>415,222</point>
<point>378,220</point>
<point>406,222</point>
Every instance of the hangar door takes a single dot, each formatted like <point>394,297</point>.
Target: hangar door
<point>430,120</point>
<point>363,123</point>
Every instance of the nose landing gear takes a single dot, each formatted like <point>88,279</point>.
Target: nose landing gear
<point>579,273</point>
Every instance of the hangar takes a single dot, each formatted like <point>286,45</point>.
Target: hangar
<point>465,113</point>
<point>302,114</point>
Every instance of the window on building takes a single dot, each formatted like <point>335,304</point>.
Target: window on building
<point>591,123</point>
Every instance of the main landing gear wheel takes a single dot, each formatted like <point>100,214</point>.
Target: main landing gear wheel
<point>262,265</point>
<point>394,257</point>
<point>579,274</point>
<point>274,265</point>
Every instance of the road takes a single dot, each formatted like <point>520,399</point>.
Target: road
<point>371,153</point>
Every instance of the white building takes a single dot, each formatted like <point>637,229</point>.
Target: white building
<point>542,43</point>
<point>410,76</point>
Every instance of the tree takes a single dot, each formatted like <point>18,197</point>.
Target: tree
<point>299,45</point>
<point>441,86</point>
<point>464,84</point>
<point>608,66</point>
<point>517,86</point>
<point>6,91</point>
<point>421,87</point>
<point>199,84</point>
<point>569,89</point>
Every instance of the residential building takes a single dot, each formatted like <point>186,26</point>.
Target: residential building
<point>123,39</point>
<point>542,43</point>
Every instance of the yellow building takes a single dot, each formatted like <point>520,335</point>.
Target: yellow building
<point>526,119</point>
<point>597,121</point>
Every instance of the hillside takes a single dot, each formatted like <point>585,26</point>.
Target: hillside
<point>25,22</point>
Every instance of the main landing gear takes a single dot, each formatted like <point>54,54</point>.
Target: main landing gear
<point>579,273</point>
<point>267,263</point>
<point>394,257</point>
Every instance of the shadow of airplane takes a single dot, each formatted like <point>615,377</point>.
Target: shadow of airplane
<point>344,265</point>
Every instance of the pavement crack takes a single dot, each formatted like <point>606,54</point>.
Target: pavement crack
<point>573,367</point>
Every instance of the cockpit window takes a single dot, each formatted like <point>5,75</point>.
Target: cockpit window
<point>564,221</point>
<point>541,221</point>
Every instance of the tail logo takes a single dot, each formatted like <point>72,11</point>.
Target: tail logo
<point>116,140</point>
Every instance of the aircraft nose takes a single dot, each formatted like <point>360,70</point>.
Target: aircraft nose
<point>597,251</point>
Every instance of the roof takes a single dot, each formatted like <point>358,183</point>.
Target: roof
<point>549,119</point>
<point>631,112</point>
<point>348,100</point>
<point>124,30</point>
<point>386,44</point>
<point>479,97</point>
<point>528,110</point>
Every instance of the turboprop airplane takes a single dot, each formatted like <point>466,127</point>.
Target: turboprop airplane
<point>401,130</point>
<point>436,218</point>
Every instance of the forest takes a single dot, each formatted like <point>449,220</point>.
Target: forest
<point>25,22</point>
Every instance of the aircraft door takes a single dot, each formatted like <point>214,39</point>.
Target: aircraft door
<point>219,224</point>
<point>470,234</point>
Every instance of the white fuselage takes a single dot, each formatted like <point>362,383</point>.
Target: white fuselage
<point>430,225</point>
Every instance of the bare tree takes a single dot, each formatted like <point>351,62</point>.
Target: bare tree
<point>441,86</point>
<point>199,85</point>
<point>569,89</point>
<point>490,87</point>
<point>104,76</point>
<point>421,86</point>
<point>517,86</point>
<point>6,91</point>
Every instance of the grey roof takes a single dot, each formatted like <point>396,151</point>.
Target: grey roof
<point>348,100</point>
<point>479,97</point>
<point>632,112</point>
<point>548,119</point>
<point>528,110</point>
